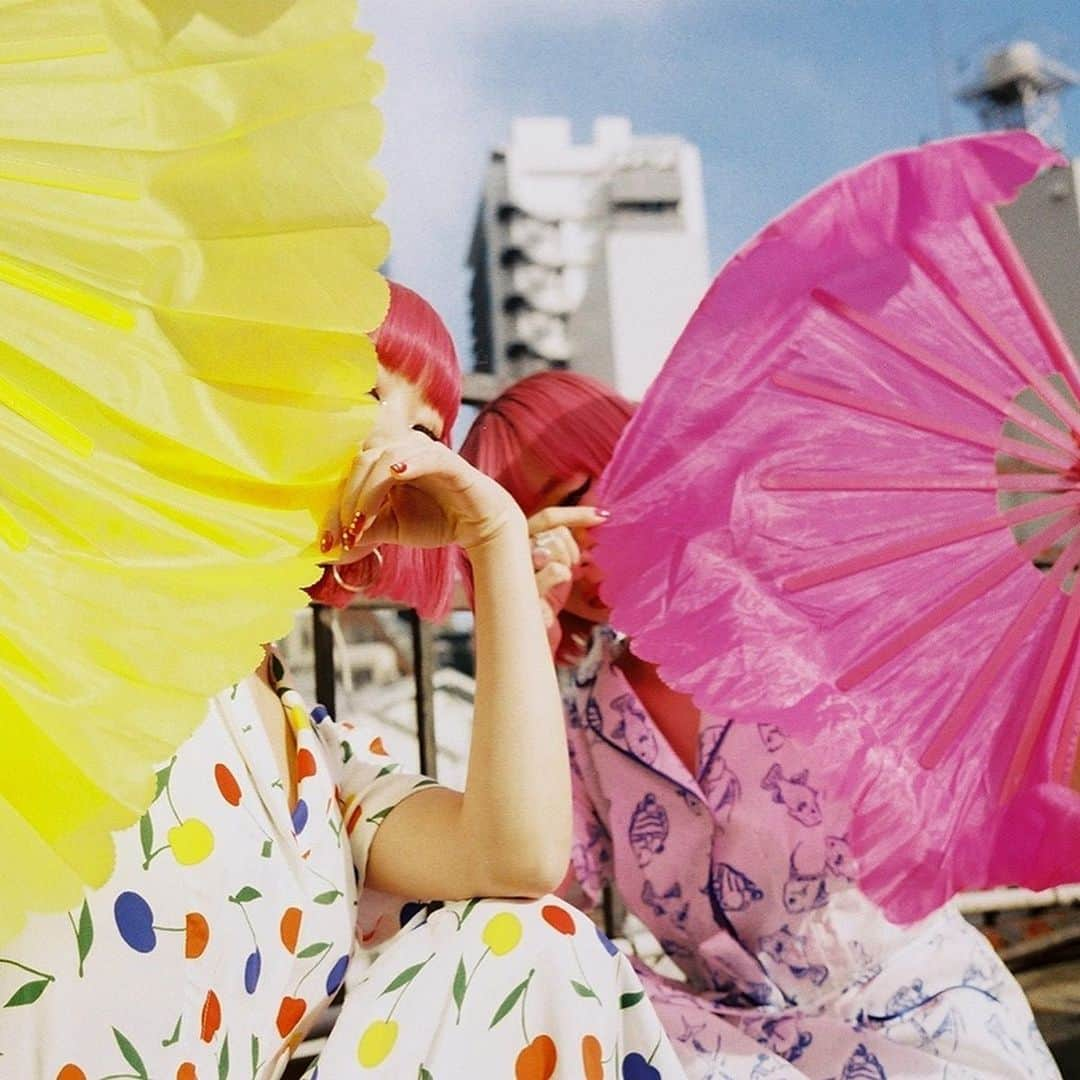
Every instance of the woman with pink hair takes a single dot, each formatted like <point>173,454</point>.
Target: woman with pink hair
<point>229,923</point>
<point>718,837</point>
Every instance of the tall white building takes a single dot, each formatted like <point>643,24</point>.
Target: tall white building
<point>587,256</point>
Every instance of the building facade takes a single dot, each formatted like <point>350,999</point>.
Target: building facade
<point>586,256</point>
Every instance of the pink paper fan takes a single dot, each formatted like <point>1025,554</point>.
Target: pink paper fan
<point>850,505</point>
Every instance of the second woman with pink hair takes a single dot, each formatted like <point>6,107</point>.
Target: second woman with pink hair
<point>717,836</point>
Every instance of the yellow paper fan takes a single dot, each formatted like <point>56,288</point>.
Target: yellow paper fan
<point>188,270</point>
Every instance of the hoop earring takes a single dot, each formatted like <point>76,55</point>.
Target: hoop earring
<point>339,580</point>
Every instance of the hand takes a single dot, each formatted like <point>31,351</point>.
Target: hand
<point>419,493</point>
<point>556,552</point>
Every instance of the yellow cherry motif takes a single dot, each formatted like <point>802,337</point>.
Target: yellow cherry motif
<point>191,841</point>
<point>293,704</point>
<point>502,933</point>
<point>376,1043</point>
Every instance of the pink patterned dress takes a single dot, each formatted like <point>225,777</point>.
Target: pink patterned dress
<point>743,874</point>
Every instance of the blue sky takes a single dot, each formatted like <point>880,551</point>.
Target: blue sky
<point>778,94</point>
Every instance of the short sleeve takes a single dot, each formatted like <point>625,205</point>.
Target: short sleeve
<point>370,784</point>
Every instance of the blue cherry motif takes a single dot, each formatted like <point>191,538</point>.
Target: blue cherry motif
<point>135,921</point>
<point>252,970</point>
<point>300,817</point>
<point>635,1067</point>
<point>336,976</point>
<point>608,944</point>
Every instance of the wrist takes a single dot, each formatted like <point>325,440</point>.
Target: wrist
<point>510,530</point>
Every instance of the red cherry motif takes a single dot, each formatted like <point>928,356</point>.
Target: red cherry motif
<point>592,1059</point>
<point>537,1060</point>
<point>187,1072</point>
<point>71,1072</point>
<point>227,785</point>
<point>376,747</point>
<point>290,928</point>
<point>305,764</point>
<point>196,935</point>
<point>290,1013</point>
<point>211,1016</point>
<point>559,918</point>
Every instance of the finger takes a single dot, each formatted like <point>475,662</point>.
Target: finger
<point>551,575</point>
<point>570,517</point>
<point>365,492</point>
<point>560,545</point>
<point>540,558</point>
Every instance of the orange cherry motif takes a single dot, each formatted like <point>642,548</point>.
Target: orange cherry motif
<point>537,1060</point>
<point>196,935</point>
<point>211,1016</point>
<point>354,818</point>
<point>187,1072</point>
<point>376,746</point>
<point>227,785</point>
<point>290,928</point>
<point>290,1013</point>
<point>71,1072</point>
<point>559,918</point>
<point>592,1060</point>
<point>305,764</point>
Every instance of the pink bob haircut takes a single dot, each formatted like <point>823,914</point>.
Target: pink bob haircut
<point>414,342</point>
<point>560,423</point>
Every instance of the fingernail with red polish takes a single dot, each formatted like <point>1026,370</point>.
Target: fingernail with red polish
<point>398,467</point>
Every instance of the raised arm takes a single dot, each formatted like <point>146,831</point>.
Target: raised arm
<point>508,834</point>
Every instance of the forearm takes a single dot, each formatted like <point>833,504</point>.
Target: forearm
<point>516,807</point>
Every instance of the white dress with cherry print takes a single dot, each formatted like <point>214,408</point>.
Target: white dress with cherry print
<point>227,925</point>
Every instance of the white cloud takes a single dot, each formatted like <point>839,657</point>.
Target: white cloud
<point>443,118</point>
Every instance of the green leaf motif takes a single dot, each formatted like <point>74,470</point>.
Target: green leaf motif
<point>468,911</point>
<point>254,1056</point>
<point>582,990</point>
<point>404,978</point>
<point>510,1001</point>
<point>268,846</point>
<point>146,835</point>
<point>328,897</point>
<point>386,770</point>
<point>461,984</point>
<point>174,1038</point>
<point>346,752</point>
<point>628,1001</point>
<point>163,779</point>
<point>84,936</point>
<point>223,1060</point>
<point>27,994</point>
<point>313,950</point>
<point>131,1055</point>
<point>376,819</point>
<point>245,894</point>
<point>423,1074</point>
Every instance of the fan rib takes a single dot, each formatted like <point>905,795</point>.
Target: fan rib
<point>970,591</point>
<point>1033,482</point>
<point>1064,640</point>
<point>1062,407</point>
<point>1027,292</point>
<point>811,480</point>
<point>942,368</point>
<point>929,541</point>
<point>1005,649</point>
<point>1037,455</point>
<point>41,416</point>
<point>1068,745</point>
<point>912,418</point>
